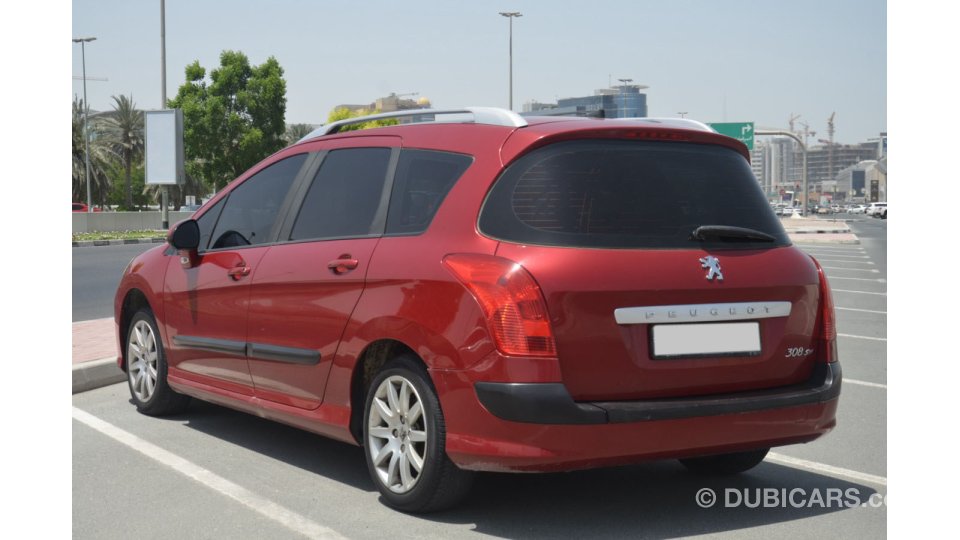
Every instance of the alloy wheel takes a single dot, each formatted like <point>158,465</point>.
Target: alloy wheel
<point>142,358</point>
<point>397,434</point>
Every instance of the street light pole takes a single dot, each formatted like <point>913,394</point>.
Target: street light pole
<point>683,114</point>
<point>164,194</point>
<point>86,117</point>
<point>623,95</point>
<point>510,15</point>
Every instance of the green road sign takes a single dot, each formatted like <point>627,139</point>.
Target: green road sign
<point>741,131</point>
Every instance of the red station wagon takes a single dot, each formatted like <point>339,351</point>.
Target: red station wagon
<point>478,291</point>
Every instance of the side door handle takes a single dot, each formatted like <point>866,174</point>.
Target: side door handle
<point>239,271</point>
<point>344,264</point>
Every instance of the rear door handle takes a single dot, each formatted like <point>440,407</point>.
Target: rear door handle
<point>239,271</point>
<point>343,265</point>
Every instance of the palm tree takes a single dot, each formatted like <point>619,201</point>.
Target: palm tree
<point>99,158</point>
<point>123,132</point>
<point>295,132</point>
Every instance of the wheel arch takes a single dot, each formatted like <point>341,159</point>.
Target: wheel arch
<point>134,301</point>
<point>375,356</point>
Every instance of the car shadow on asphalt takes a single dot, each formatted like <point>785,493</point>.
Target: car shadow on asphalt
<point>654,499</point>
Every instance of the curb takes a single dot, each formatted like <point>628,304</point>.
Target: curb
<point>96,374</point>
<point>92,243</point>
<point>820,231</point>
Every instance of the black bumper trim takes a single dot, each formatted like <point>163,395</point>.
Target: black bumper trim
<point>550,403</point>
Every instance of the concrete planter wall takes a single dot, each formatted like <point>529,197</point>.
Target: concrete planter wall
<point>122,221</point>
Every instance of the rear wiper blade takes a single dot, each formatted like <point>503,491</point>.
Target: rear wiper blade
<point>727,232</point>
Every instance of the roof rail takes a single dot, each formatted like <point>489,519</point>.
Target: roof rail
<point>481,115</point>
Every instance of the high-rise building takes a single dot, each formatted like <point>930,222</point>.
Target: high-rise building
<point>624,101</point>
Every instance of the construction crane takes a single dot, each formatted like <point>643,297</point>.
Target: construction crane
<point>793,118</point>
<point>806,132</point>
<point>830,129</point>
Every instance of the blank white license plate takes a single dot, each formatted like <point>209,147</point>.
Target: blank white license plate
<point>713,339</point>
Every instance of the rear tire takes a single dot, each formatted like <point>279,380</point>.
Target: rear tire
<point>725,464</point>
<point>404,438</point>
<point>147,369</point>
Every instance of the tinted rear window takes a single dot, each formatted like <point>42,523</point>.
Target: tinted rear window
<point>623,194</point>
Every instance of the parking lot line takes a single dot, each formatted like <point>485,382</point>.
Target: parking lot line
<point>863,337</point>
<point>847,262</point>
<point>880,280</point>
<point>863,310</point>
<point>844,256</point>
<point>864,383</point>
<point>269,509</point>
<point>857,292</point>
<point>871,270</point>
<point>823,468</point>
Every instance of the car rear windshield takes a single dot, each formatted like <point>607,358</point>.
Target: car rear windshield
<point>626,194</point>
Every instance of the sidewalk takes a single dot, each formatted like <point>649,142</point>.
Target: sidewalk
<point>95,355</point>
<point>818,230</point>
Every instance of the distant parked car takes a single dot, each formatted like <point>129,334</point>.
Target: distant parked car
<point>81,207</point>
<point>791,211</point>
<point>824,210</point>
<point>857,209</point>
<point>882,213</point>
<point>190,207</point>
<point>874,208</point>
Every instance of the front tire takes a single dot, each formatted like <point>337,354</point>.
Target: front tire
<point>147,369</point>
<point>725,464</point>
<point>404,437</point>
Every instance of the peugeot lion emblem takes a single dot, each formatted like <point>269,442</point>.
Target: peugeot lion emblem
<point>713,267</point>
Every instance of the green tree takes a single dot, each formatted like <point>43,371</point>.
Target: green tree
<point>122,132</point>
<point>234,121</point>
<point>343,113</point>
<point>99,160</point>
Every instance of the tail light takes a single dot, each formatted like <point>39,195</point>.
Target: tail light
<point>512,303</point>
<point>826,320</point>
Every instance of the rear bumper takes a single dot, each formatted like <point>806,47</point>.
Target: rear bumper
<point>538,427</point>
<point>549,403</point>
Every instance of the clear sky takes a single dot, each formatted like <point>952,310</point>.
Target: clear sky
<point>733,60</point>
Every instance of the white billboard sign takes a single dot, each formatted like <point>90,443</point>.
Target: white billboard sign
<point>163,132</point>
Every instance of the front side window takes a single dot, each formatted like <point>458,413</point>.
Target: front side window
<point>345,197</point>
<point>251,209</point>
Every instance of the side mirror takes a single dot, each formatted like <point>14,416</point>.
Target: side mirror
<point>185,238</point>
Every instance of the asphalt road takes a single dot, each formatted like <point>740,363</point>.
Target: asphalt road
<point>96,273</point>
<point>214,472</point>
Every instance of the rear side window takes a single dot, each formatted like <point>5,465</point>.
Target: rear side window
<point>345,197</point>
<point>251,209</point>
<point>624,194</point>
<point>423,179</point>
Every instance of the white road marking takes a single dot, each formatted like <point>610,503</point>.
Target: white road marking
<point>864,383</point>
<point>863,337</point>
<point>842,256</point>
<point>823,468</point>
<point>872,270</point>
<point>863,310</point>
<point>857,292</point>
<point>269,509</point>
<point>847,262</point>
<point>880,280</point>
